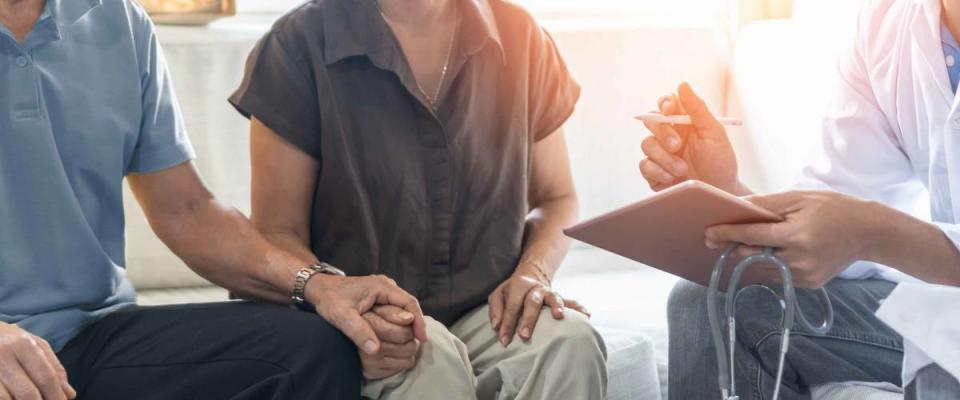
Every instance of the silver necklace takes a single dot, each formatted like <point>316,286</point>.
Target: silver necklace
<point>432,100</point>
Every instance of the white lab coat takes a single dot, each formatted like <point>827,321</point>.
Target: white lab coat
<point>894,136</point>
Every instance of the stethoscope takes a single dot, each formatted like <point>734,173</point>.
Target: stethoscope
<point>725,351</point>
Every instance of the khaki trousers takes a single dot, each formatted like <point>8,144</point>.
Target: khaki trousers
<point>564,359</point>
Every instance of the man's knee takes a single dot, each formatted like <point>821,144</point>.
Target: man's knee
<point>307,342</point>
<point>316,357</point>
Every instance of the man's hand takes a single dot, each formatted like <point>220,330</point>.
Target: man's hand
<point>700,151</point>
<point>518,300</point>
<point>398,344</point>
<point>822,234</point>
<point>343,301</point>
<point>29,369</point>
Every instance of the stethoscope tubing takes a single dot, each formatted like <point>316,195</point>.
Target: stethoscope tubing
<point>788,301</point>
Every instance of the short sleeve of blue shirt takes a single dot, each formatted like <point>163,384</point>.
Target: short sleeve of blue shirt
<point>163,140</point>
<point>86,100</point>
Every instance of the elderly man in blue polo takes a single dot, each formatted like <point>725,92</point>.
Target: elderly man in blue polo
<point>86,102</point>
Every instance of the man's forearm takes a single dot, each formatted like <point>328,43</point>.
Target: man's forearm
<point>546,245</point>
<point>222,245</point>
<point>915,247</point>
<point>292,243</point>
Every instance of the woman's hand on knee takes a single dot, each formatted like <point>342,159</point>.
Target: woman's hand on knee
<point>516,304</point>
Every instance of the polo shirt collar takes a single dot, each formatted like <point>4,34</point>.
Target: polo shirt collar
<point>355,28</point>
<point>67,12</point>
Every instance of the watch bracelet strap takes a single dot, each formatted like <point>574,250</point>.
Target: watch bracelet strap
<point>303,277</point>
<point>300,283</point>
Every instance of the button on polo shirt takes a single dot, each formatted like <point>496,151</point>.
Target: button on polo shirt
<point>85,100</point>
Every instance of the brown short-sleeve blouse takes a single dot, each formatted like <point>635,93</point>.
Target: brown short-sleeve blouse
<point>437,200</point>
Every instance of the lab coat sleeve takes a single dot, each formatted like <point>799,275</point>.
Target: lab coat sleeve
<point>862,155</point>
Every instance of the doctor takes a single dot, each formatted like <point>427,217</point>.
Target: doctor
<point>890,139</point>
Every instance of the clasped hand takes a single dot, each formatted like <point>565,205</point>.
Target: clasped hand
<point>385,322</point>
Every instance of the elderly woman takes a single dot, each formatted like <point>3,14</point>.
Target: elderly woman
<point>422,140</point>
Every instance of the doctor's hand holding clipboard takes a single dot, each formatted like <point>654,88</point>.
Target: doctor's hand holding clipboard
<point>823,232</point>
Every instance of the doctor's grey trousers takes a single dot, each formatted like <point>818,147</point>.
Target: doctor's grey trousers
<point>859,347</point>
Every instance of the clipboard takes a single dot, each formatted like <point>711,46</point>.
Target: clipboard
<point>666,230</point>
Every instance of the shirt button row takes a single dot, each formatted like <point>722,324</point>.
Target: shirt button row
<point>22,61</point>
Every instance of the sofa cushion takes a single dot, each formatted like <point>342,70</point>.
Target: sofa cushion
<point>631,366</point>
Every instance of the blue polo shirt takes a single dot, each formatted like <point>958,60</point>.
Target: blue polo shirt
<point>84,100</point>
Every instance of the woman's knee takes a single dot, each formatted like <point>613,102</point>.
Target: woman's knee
<point>576,338</point>
<point>443,349</point>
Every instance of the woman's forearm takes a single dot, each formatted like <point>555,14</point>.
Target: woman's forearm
<point>546,245</point>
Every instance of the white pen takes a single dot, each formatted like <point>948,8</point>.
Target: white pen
<point>655,118</point>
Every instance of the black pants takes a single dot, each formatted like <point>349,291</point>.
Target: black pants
<point>235,350</point>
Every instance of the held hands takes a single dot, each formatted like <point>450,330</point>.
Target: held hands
<point>519,299</point>
<point>383,320</point>
<point>822,234</point>
<point>398,343</point>
<point>701,151</point>
<point>29,369</point>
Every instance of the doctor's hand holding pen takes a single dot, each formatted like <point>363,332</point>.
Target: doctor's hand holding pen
<point>822,232</point>
<point>697,149</point>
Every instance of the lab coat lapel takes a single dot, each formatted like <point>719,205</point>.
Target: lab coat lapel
<point>927,50</point>
<point>936,116</point>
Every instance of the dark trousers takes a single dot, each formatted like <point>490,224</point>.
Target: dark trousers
<point>236,350</point>
<point>859,347</point>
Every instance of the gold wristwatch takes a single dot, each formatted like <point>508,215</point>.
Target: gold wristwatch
<point>304,276</point>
